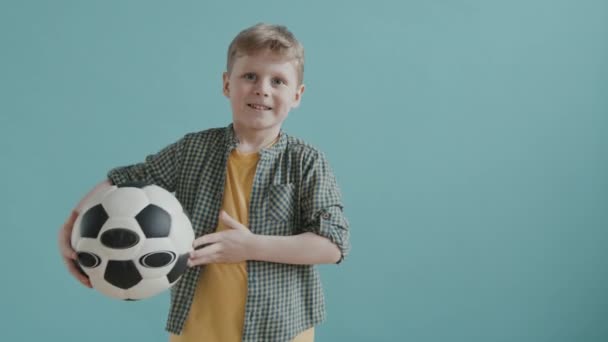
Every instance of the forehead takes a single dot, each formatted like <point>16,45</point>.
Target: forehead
<point>266,61</point>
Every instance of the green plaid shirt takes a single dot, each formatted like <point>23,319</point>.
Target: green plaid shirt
<point>294,191</point>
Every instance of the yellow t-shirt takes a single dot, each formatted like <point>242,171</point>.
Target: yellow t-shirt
<point>217,313</point>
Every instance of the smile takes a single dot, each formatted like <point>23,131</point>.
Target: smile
<point>258,106</point>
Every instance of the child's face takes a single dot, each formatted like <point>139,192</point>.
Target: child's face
<point>262,89</point>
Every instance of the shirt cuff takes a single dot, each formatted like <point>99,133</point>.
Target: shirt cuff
<point>333,226</point>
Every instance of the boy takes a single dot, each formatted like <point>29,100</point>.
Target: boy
<point>265,206</point>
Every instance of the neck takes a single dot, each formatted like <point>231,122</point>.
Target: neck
<point>253,141</point>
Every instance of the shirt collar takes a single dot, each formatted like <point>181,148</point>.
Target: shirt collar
<point>275,149</point>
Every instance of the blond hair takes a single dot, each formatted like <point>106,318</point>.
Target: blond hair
<point>275,38</point>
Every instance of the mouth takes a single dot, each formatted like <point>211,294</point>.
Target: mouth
<point>258,106</point>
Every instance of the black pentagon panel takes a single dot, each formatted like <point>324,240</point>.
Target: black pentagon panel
<point>154,221</point>
<point>89,260</point>
<point>179,268</point>
<point>92,221</point>
<point>119,238</point>
<point>134,184</point>
<point>157,259</point>
<point>122,274</point>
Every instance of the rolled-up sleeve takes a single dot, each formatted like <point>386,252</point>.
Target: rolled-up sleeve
<point>322,211</point>
<point>161,168</point>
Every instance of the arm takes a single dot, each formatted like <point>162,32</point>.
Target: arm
<point>302,249</point>
<point>239,244</point>
<point>65,232</point>
<point>322,238</point>
<point>321,207</point>
<point>160,168</point>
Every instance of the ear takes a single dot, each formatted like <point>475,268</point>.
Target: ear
<point>226,84</point>
<point>298,96</point>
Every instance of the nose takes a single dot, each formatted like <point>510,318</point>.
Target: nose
<point>262,89</point>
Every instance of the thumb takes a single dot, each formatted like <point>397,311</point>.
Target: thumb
<point>229,222</point>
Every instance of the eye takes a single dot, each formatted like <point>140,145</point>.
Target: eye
<point>250,76</point>
<point>277,81</point>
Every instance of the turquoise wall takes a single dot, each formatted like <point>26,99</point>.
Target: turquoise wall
<point>469,139</point>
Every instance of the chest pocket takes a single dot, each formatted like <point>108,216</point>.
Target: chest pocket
<point>281,202</point>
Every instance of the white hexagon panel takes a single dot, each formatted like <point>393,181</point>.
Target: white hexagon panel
<point>132,240</point>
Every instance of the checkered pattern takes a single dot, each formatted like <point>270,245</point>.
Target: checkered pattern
<point>294,191</point>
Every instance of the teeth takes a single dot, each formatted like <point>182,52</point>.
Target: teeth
<point>254,106</point>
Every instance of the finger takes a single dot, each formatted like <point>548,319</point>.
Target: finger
<point>65,234</point>
<point>69,253</point>
<point>68,225</point>
<point>207,240</point>
<point>71,219</point>
<point>77,273</point>
<point>82,277</point>
<point>199,261</point>
<point>65,245</point>
<point>230,222</point>
<point>205,255</point>
<point>203,245</point>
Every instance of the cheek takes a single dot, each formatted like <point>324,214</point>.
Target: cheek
<point>237,86</point>
<point>286,104</point>
<point>237,94</point>
<point>285,99</point>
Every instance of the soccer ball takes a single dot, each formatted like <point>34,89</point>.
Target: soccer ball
<point>132,240</point>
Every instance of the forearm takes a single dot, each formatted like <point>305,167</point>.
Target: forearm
<point>302,249</point>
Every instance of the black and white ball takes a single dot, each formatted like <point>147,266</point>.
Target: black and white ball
<point>133,241</point>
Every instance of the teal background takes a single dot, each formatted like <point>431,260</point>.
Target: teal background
<point>469,139</point>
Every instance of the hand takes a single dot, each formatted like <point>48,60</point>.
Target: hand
<point>228,246</point>
<point>68,254</point>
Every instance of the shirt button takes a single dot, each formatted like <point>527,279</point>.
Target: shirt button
<point>326,215</point>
